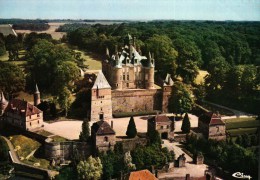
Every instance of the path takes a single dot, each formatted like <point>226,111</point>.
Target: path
<point>193,169</point>
<point>236,112</point>
<point>15,159</point>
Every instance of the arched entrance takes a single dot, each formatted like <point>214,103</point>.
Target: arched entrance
<point>164,135</point>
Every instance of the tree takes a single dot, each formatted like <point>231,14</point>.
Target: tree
<point>246,140</point>
<point>91,169</point>
<point>64,99</point>
<point>185,127</point>
<point>85,133</point>
<point>239,140</point>
<point>248,79</point>
<point>180,100</point>
<point>12,79</point>
<point>128,162</point>
<point>12,46</point>
<point>131,128</point>
<point>2,45</point>
<point>154,137</point>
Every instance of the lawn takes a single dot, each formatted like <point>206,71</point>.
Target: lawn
<point>242,123</point>
<point>216,109</point>
<point>24,146</point>
<point>93,61</point>
<point>58,139</point>
<point>241,131</point>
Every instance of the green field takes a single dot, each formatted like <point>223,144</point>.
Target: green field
<point>93,61</point>
<point>24,146</point>
<point>239,126</point>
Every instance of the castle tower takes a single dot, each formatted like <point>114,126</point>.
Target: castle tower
<point>3,104</point>
<point>117,74</point>
<point>149,73</point>
<point>101,102</point>
<point>167,89</point>
<point>36,96</point>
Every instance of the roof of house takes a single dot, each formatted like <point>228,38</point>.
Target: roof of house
<point>102,128</point>
<point>101,82</point>
<point>160,118</point>
<point>3,101</point>
<point>211,119</point>
<point>22,107</point>
<point>142,175</point>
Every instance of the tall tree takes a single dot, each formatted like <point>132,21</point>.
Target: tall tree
<point>131,128</point>
<point>12,46</point>
<point>91,169</point>
<point>12,79</point>
<point>85,132</point>
<point>181,100</point>
<point>185,127</point>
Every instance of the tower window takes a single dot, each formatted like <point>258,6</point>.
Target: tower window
<point>127,77</point>
<point>161,127</point>
<point>116,85</point>
<point>127,84</point>
<point>123,77</point>
<point>106,139</point>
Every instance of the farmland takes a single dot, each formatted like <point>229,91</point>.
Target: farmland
<point>6,29</point>
<point>51,31</point>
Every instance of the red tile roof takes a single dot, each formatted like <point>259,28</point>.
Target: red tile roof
<point>22,107</point>
<point>211,118</point>
<point>142,175</point>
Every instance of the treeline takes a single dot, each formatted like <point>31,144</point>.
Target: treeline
<point>236,42</point>
<point>31,26</point>
<point>72,27</point>
<point>21,21</point>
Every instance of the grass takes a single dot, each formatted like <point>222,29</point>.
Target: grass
<point>25,146</point>
<point>241,131</point>
<point>215,109</point>
<point>242,124</point>
<point>44,133</point>
<point>58,139</point>
<point>128,114</point>
<point>4,57</point>
<point>93,61</point>
<point>200,77</point>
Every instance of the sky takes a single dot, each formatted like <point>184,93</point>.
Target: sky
<point>239,10</point>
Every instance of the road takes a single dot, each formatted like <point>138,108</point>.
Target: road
<point>190,168</point>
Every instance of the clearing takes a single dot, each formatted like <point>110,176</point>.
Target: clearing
<point>51,31</point>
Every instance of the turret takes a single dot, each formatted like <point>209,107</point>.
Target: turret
<point>3,104</point>
<point>36,96</point>
<point>149,73</point>
<point>117,73</point>
<point>107,53</point>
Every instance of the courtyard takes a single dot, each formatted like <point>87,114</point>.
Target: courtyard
<point>72,128</point>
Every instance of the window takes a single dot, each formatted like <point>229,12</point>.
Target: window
<point>117,84</point>
<point>106,139</point>
<point>38,122</point>
<point>101,101</point>
<point>168,126</point>
<point>127,84</point>
<point>123,77</point>
<point>38,115</point>
<point>30,124</point>
<point>101,109</point>
<point>161,127</point>
<point>127,77</point>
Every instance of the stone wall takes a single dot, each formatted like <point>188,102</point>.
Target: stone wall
<point>131,144</point>
<point>136,100</point>
<point>56,150</point>
<point>217,132</point>
<point>105,143</point>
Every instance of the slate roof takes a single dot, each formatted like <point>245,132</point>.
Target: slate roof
<point>22,108</point>
<point>102,128</point>
<point>211,119</point>
<point>101,82</point>
<point>168,80</point>
<point>142,175</point>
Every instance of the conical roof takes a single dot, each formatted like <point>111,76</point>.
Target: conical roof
<point>168,80</point>
<point>3,102</point>
<point>101,82</point>
<point>36,89</point>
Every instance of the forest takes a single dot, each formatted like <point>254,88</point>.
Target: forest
<point>228,50</point>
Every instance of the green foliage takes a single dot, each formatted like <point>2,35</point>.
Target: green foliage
<point>90,169</point>
<point>85,132</point>
<point>12,79</point>
<point>225,155</point>
<point>64,99</point>
<point>154,137</point>
<point>131,128</point>
<point>66,173</point>
<point>2,45</point>
<point>4,150</point>
<point>180,100</point>
<point>145,157</point>
<point>185,127</point>
<point>12,46</point>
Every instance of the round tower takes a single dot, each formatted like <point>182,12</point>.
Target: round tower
<point>3,104</point>
<point>36,96</point>
<point>150,73</point>
<point>117,73</point>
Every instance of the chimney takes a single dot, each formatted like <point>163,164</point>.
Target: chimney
<point>112,124</point>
